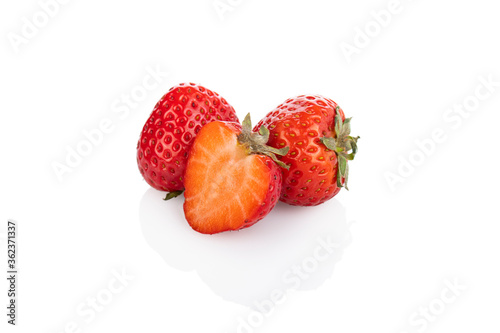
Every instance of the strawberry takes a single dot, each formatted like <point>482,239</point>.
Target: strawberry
<point>318,134</point>
<point>231,180</point>
<point>168,134</point>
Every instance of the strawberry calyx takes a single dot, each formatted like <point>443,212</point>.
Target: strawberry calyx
<point>173,194</point>
<point>345,147</point>
<point>255,142</point>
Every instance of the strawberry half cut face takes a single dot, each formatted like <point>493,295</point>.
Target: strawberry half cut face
<point>231,180</point>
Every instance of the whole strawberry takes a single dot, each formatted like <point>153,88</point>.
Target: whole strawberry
<point>168,134</point>
<point>315,129</point>
<point>233,179</point>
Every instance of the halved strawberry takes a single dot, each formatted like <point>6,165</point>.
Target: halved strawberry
<point>232,180</point>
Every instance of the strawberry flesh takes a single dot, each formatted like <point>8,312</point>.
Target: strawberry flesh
<point>227,188</point>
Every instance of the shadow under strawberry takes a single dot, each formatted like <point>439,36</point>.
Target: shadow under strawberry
<point>293,248</point>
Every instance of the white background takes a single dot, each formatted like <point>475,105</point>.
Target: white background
<point>397,246</point>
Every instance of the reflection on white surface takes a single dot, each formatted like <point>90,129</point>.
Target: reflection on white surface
<point>287,250</point>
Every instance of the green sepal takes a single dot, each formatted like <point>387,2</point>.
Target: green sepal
<point>246,124</point>
<point>173,194</point>
<point>265,133</point>
<point>329,143</point>
<point>342,165</point>
<point>256,143</point>
<point>344,146</point>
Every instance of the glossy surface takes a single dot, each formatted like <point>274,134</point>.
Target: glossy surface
<point>168,134</point>
<point>299,123</point>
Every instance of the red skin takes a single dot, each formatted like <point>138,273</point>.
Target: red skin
<point>272,197</point>
<point>264,169</point>
<point>168,134</point>
<point>299,123</point>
